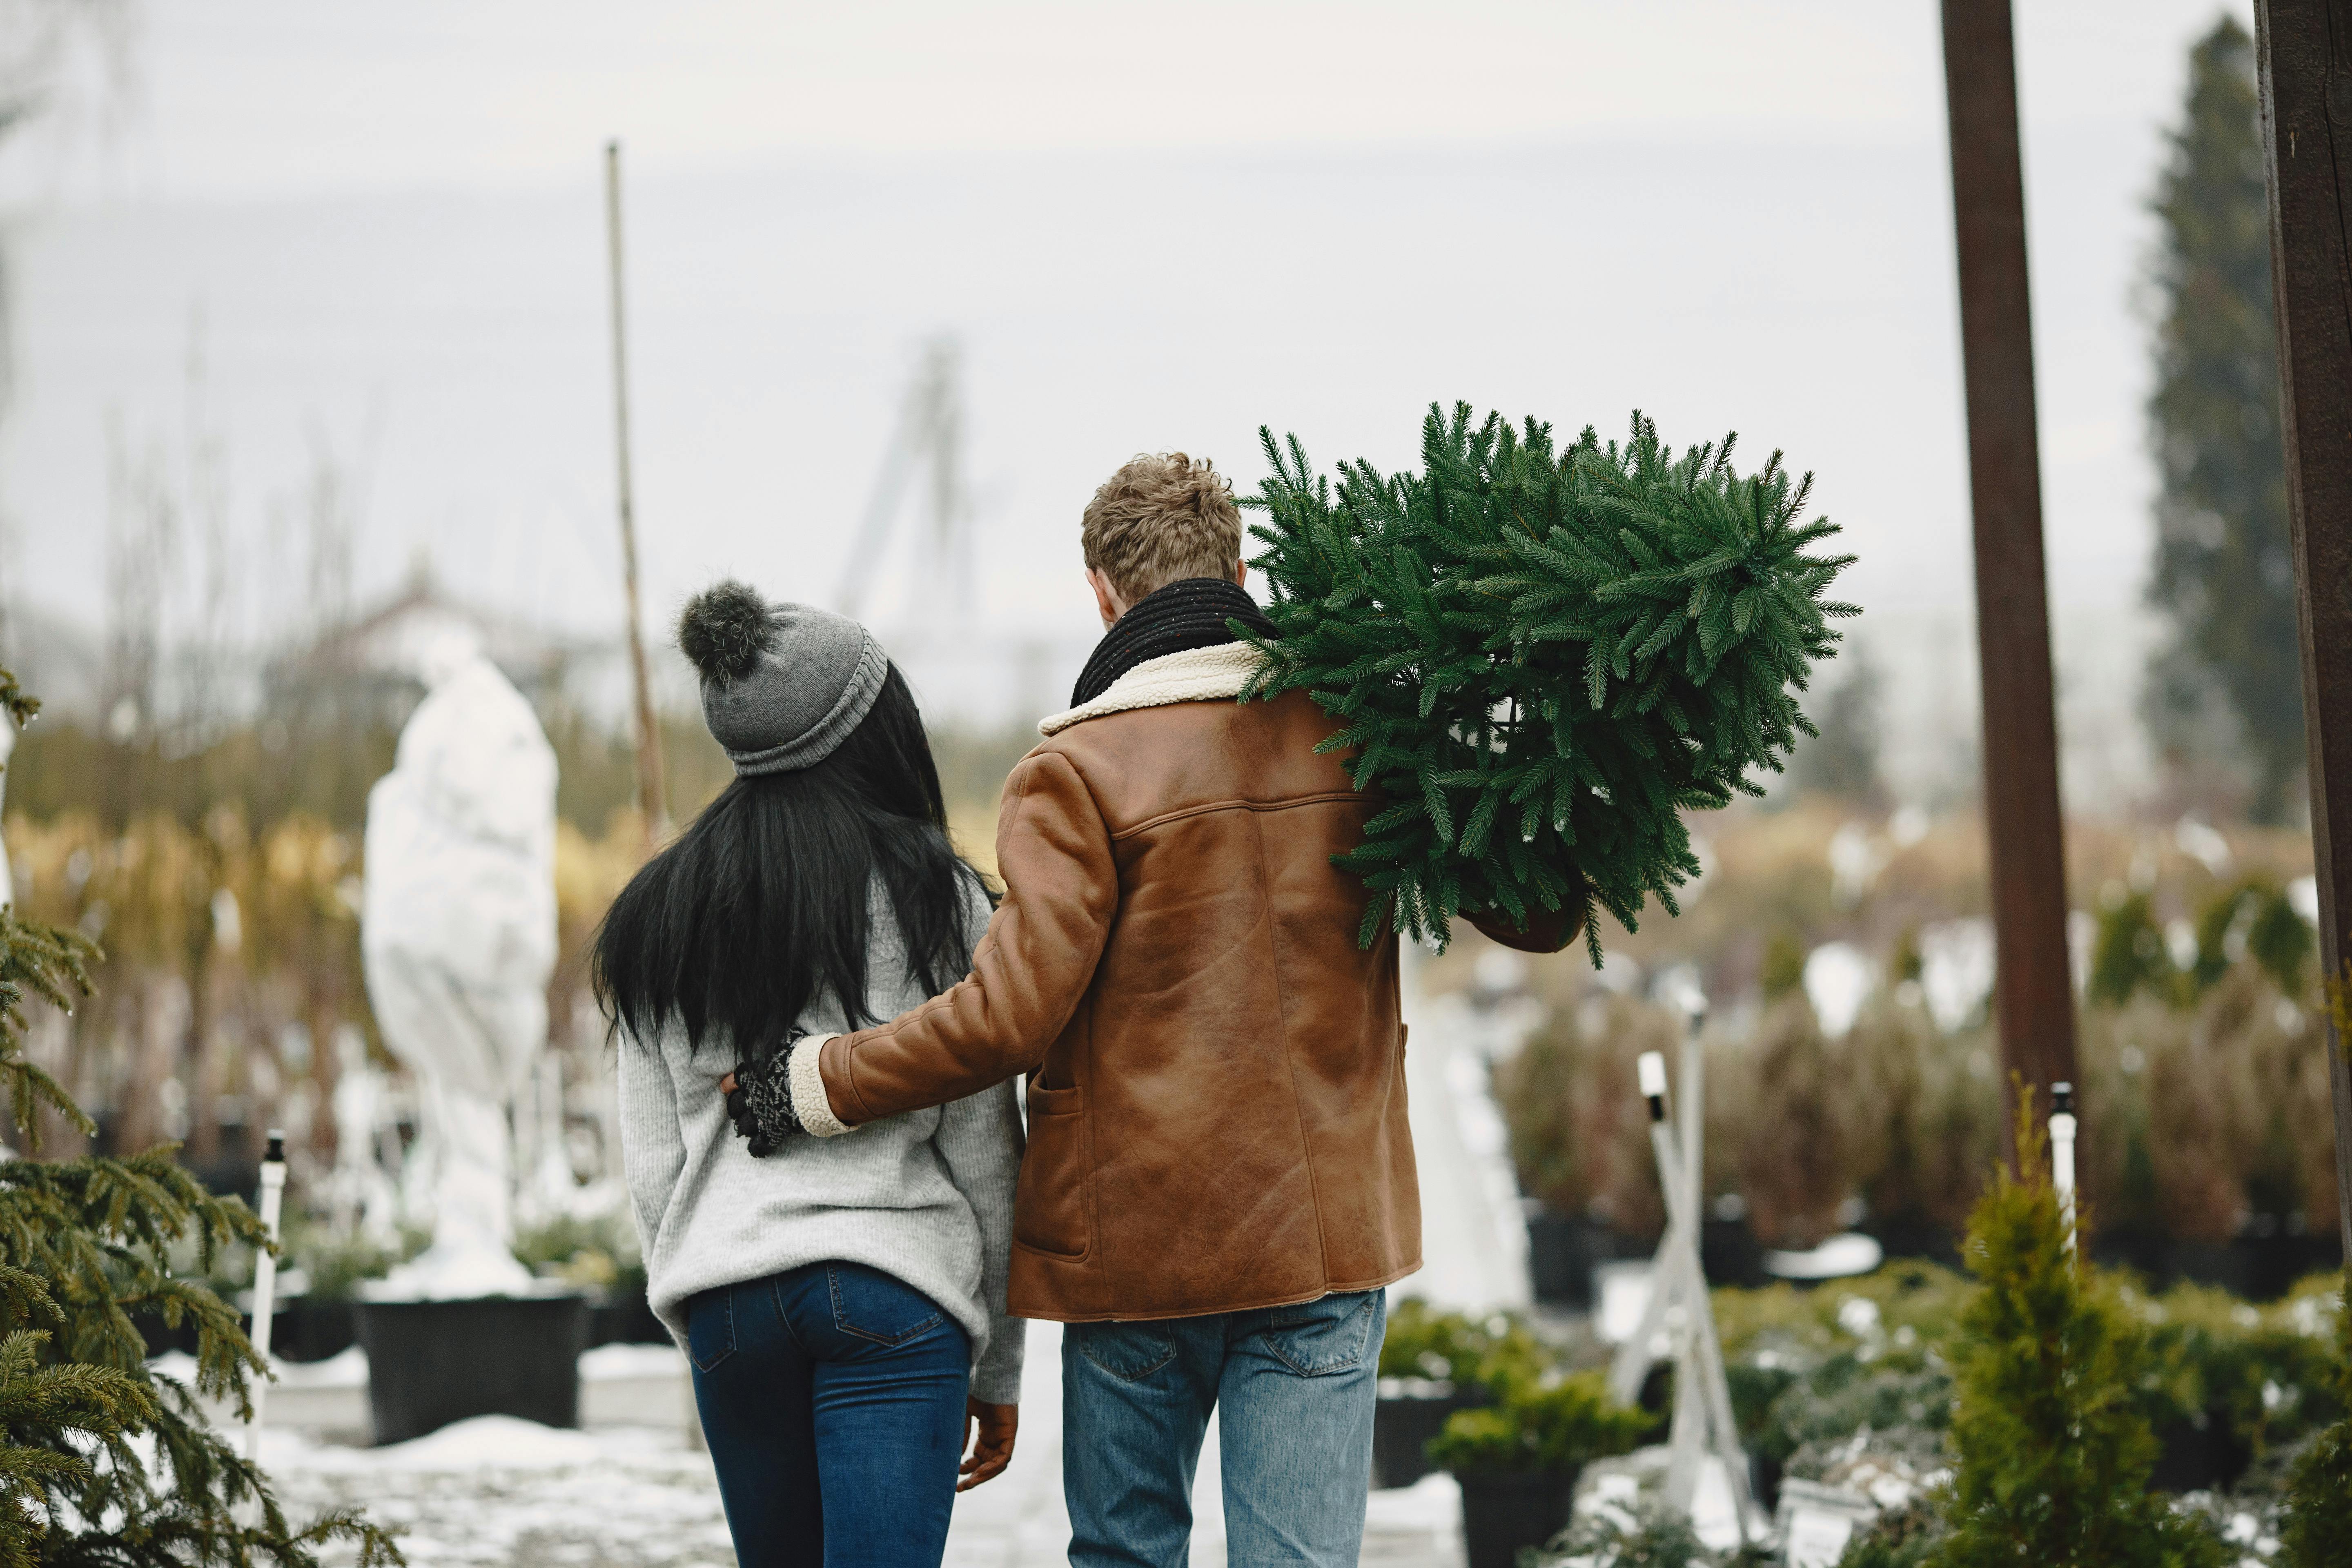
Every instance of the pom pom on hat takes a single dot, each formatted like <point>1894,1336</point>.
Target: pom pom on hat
<point>724,629</point>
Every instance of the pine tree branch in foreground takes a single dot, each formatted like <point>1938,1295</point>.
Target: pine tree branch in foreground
<point>1541,658</point>
<point>104,1462</point>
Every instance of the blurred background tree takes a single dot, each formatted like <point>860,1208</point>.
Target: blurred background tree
<point>1843,759</point>
<point>2228,669</point>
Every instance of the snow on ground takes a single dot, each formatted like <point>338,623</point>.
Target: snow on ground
<point>504,1493</point>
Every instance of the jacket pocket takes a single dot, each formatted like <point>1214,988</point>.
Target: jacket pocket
<point>1050,1204</point>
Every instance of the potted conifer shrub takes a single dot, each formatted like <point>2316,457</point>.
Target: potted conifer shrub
<point>1518,1460</point>
<point>1434,1364</point>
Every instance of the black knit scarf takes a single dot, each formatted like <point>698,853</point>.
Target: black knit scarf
<point>1182,616</point>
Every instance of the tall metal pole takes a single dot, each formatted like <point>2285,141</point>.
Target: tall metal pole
<point>2034,995</point>
<point>2305,51</point>
<point>653,808</point>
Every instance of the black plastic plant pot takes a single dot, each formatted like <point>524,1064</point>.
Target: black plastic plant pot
<point>303,1330</point>
<point>1410,1413</point>
<point>431,1362</point>
<point>625,1317</point>
<point>1502,1515</point>
<point>1561,1251</point>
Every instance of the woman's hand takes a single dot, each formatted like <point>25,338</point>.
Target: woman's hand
<point>989,1429</point>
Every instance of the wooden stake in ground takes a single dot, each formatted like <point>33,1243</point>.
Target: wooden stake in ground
<point>2305,51</point>
<point>2033,990</point>
<point>652,808</point>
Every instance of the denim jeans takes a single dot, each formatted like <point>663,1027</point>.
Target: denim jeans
<point>1293,1387</point>
<point>831,1397</point>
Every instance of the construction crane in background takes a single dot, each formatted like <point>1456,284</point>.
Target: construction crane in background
<point>928,441</point>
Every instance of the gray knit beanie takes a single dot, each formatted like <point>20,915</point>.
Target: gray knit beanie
<point>783,685</point>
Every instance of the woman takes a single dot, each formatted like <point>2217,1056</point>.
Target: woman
<point>841,1299</point>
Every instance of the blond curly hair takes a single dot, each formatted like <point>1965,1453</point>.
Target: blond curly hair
<point>1160,519</point>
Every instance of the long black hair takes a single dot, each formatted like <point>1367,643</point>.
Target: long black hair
<point>762,905</point>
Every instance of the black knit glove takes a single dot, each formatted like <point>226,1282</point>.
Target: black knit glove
<point>761,1104</point>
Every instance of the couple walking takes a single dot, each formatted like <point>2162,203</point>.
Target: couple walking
<point>822,1022</point>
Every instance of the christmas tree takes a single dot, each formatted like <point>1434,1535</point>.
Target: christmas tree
<point>1541,658</point>
<point>104,1460</point>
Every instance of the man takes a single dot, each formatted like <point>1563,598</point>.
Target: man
<point>1219,1181</point>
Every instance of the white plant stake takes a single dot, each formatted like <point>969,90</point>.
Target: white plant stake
<point>2061,1155</point>
<point>265,1280</point>
<point>1678,1324</point>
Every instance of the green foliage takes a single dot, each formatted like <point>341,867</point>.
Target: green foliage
<point>2254,919</point>
<point>1783,972</point>
<point>2317,1530</point>
<point>1555,1428</point>
<point>598,1252</point>
<point>1811,1371</point>
<point>2222,575</point>
<point>2054,1451</point>
<point>2257,1369</point>
<point>336,1262</point>
<point>105,1461</point>
<point>2129,955</point>
<point>1543,657</point>
<point>1907,1537</point>
<point>1496,1352</point>
<point>1654,1536</point>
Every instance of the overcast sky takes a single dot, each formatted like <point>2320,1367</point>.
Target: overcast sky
<point>1147,226</point>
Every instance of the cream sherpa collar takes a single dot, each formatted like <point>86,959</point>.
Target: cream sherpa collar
<point>1197,675</point>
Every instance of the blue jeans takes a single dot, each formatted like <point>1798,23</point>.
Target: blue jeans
<point>1295,1387</point>
<point>831,1397</point>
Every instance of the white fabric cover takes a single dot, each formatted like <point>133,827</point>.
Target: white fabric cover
<point>457,936</point>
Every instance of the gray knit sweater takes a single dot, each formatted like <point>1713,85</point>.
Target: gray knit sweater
<point>926,1198</point>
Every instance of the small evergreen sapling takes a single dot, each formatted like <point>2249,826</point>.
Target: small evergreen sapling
<point>1541,657</point>
<point>2054,1452</point>
<point>104,1461</point>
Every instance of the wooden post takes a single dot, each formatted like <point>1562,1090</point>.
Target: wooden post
<point>2033,990</point>
<point>652,808</point>
<point>2305,51</point>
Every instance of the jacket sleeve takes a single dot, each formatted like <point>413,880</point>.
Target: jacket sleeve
<point>979,1140</point>
<point>1028,974</point>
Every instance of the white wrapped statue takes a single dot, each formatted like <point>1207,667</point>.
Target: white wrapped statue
<point>457,934</point>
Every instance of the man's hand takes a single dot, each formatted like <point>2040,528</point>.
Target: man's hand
<point>988,1430</point>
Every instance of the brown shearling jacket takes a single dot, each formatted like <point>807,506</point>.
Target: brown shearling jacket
<point>1216,1069</point>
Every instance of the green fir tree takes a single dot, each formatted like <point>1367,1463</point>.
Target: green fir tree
<point>2223,577</point>
<point>105,1462</point>
<point>1543,657</point>
<point>2317,1530</point>
<point>2054,1452</point>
